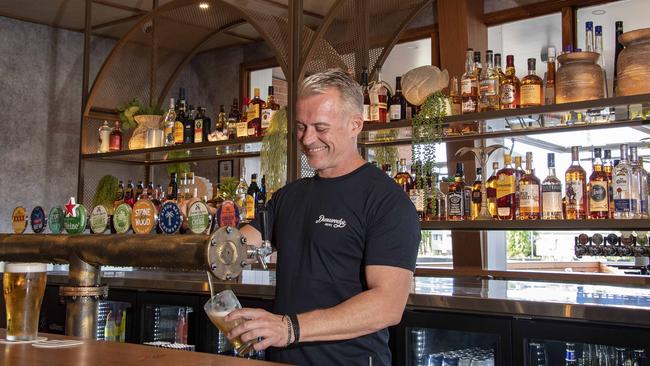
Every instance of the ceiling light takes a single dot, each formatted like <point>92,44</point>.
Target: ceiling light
<point>204,5</point>
<point>598,12</point>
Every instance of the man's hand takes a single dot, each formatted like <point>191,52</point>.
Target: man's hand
<point>259,323</point>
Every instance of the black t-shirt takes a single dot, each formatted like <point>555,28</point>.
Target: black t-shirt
<point>326,230</point>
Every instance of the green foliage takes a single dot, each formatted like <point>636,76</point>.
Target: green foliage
<point>135,108</point>
<point>178,168</point>
<point>273,153</point>
<point>521,243</point>
<point>386,154</point>
<point>105,192</point>
<point>228,188</point>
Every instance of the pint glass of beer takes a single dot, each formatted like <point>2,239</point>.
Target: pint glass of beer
<point>217,308</point>
<point>23,288</point>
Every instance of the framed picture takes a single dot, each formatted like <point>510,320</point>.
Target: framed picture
<point>225,169</point>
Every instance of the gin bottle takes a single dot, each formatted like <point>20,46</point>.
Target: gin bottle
<point>625,201</point>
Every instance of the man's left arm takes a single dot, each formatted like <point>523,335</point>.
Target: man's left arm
<point>378,307</point>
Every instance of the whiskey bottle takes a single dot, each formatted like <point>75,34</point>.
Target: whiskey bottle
<point>506,203</point>
<point>403,178</point>
<point>640,184</point>
<point>551,193</point>
<point>207,123</point>
<point>115,138</point>
<point>454,97</point>
<point>499,70</point>
<point>455,196</point>
<point>608,169</point>
<point>598,189</point>
<point>251,197</point>
<point>491,191</point>
<point>233,119</point>
<point>188,126</point>
<point>519,172</point>
<point>469,86</point>
<point>383,96</point>
<point>179,125</point>
<point>531,87</point>
<point>270,107</point>
<point>529,192</point>
<point>242,125</point>
<point>489,85</point>
<point>172,188</point>
<point>397,109</point>
<point>254,114</point>
<point>221,124</point>
<point>509,87</point>
<point>366,95</point>
<point>240,194</point>
<point>549,84</point>
<point>477,197</point>
<point>169,120</point>
<point>477,65</point>
<point>576,188</point>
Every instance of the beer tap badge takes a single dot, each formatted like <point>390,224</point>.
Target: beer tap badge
<point>76,217</point>
<point>55,220</point>
<point>170,218</point>
<point>38,220</point>
<point>99,219</point>
<point>198,218</point>
<point>19,220</point>
<point>122,218</point>
<point>228,214</point>
<point>143,218</point>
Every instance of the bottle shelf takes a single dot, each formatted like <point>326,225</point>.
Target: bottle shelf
<point>524,121</point>
<point>212,150</point>
<point>555,225</point>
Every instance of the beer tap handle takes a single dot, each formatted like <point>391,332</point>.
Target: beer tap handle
<point>264,224</point>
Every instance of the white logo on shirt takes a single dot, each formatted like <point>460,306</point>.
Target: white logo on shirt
<point>335,223</point>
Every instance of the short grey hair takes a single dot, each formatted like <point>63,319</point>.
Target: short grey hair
<point>348,88</point>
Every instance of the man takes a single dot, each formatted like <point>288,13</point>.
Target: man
<point>347,242</point>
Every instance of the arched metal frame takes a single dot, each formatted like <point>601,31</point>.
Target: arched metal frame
<point>327,46</point>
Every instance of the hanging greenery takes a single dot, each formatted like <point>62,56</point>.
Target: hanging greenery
<point>427,133</point>
<point>178,168</point>
<point>274,152</point>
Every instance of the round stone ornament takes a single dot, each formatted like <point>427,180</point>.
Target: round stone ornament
<point>99,219</point>
<point>122,218</point>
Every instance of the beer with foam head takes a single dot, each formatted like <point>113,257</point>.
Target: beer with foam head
<point>23,288</point>
<point>217,308</point>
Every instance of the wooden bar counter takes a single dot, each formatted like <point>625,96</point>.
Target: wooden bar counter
<point>95,353</point>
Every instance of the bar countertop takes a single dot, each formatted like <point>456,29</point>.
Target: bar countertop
<point>522,299</point>
<point>93,352</point>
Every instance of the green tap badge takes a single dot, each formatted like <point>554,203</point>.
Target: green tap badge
<point>198,218</point>
<point>76,217</point>
<point>122,218</point>
<point>55,220</point>
<point>99,219</point>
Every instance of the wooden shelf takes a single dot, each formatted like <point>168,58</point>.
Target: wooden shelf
<point>552,225</point>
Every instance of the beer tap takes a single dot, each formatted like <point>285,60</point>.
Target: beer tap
<point>265,250</point>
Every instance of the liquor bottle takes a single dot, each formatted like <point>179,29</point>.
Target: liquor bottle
<point>403,178</point>
<point>467,200</point>
<point>398,102</point>
<point>366,95</point>
<point>189,126</point>
<point>129,194</point>
<point>570,355</point>
<point>105,138</point>
<point>253,116</point>
<point>233,119</point>
<point>489,85</point>
<point>469,86</point>
<point>551,193</point>
<point>119,195</point>
<point>383,95</point>
<point>251,197</point>
<point>454,97</point>
<point>509,87</point>
<point>182,188</point>
<point>139,190</point>
<point>240,193</point>
<point>455,196</point>
<point>418,194</point>
<point>221,124</point>
<point>270,107</point>
<point>150,192</point>
<point>529,192</point>
<point>478,68</point>
<point>260,200</point>
<point>519,172</point>
<point>242,125</point>
<point>207,123</point>
<point>576,188</point>
<point>619,48</point>
<point>549,85</point>
<point>531,87</point>
<point>199,126</point>
<point>608,168</point>
<point>115,143</point>
<point>497,66</point>
<point>435,197</point>
<point>179,125</point>
<point>172,188</point>
<point>598,189</point>
<point>159,194</point>
<point>506,203</point>
<point>589,36</point>
<point>477,196</point>
<point>625,201</point>
<point>640,184</point>
<point>491,190</point>
<point>169,120</point>
<point>191,188</point>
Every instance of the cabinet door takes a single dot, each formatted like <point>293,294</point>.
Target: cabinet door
<point>548,342</point>
<point>436,338</point>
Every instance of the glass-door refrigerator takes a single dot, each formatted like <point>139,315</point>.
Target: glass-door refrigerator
<point>169,320</point>
<point>115,317</point>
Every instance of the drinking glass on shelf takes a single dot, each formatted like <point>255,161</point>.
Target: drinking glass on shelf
<point>217,308</point>
<point>23,288</point>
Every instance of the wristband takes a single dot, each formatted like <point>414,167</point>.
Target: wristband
<point>288,329</point>
<point>296,328</point>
